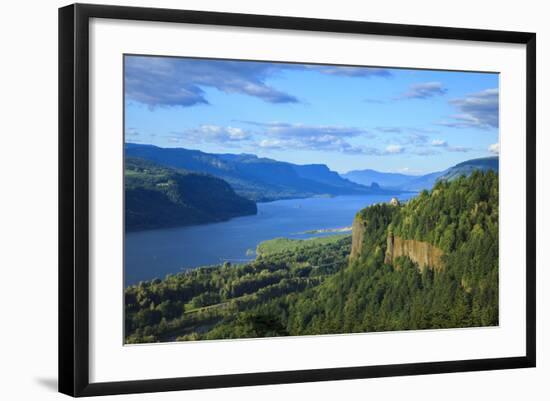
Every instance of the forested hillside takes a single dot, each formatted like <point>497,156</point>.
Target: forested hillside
<point>157,197</point>
<point>308,288</point>
<point>229,301</point>
<point>460,217</point>
<point>469,166</point>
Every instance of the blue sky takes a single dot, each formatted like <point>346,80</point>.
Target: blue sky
<point>398,120</point>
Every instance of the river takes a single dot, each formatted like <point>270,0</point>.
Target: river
<point>155,253</point>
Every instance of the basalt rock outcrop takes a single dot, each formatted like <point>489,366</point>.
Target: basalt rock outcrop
<point>357,236</point>
<point>422,253</point>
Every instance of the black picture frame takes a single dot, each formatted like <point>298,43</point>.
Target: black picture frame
<point>74,200</point>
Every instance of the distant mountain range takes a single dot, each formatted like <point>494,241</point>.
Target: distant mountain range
<point>404,182</point>
<point>175,187</point>
<point>255,178</point>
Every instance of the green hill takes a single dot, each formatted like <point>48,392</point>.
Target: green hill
<point>469,166</point>
<point>458,217</point>
<point>279,245</point>
<point>158,197</point>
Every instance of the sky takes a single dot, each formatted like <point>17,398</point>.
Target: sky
<point>347,117</point>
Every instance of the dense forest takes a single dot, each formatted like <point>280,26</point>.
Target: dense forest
<point>313,287</point>
<point>461,217</point>
<point>157,196</point>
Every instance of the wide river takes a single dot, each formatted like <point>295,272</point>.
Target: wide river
<point>155,253</point>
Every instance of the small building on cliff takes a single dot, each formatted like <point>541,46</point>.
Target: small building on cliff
<point>394,202</point>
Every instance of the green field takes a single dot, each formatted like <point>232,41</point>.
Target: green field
<point>279,245</point>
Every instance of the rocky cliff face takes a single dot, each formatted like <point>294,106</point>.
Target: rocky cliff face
<point>357,236</point>
<point>422,253</point>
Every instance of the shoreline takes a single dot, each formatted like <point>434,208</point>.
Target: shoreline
<point>319,231</point>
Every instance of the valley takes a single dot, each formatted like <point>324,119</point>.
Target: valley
<point>271,199</point>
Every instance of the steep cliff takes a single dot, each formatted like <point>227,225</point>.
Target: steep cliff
<point>357,235</point>
<point>454,229</point>
<point>422,253</point>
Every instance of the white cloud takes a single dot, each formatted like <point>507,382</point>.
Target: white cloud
<point>271,144</point>
<point>237,134</point>
<point>409,171</point>
<point>477,110</point>
<point>461,149</point>
<point>279,135</point>
<point>494,148</point>
<point>392,130</point>
<point>394,149</point>
<point>170,81</point>
<point>426,152</point>
<point>424,90</point>
<point>214,133</point>
<point>132,132</point>
<point>439,143</point>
